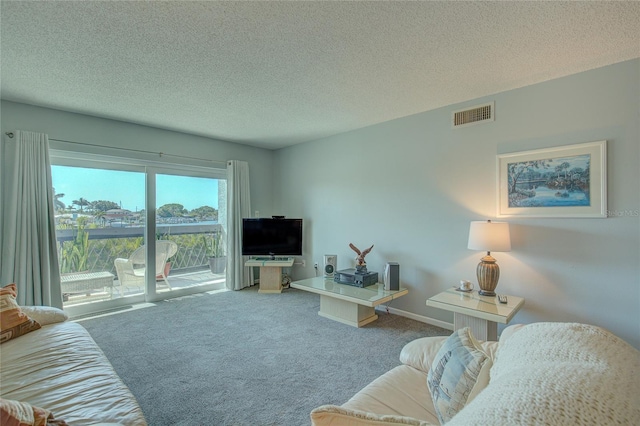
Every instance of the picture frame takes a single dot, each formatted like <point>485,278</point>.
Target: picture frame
<point>560,182</point>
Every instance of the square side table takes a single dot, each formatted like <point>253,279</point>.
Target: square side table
<point>481,313</point>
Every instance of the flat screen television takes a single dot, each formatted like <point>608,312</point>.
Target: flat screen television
<point>271,237</point>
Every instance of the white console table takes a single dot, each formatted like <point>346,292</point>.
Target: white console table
<point>270,272</point>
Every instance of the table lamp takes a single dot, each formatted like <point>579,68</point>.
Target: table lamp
<point>489,236</point>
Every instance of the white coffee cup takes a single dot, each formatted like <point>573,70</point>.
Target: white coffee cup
<point>466,285</point>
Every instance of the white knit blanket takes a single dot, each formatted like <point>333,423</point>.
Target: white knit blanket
<point>559,374</point>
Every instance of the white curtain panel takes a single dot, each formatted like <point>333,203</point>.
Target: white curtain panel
<point>238,207</point>
<point>28,253</point>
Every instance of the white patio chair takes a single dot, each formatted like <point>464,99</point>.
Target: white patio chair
<point>131,271</point>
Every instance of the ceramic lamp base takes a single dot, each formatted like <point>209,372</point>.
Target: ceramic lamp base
<point>487,273</point>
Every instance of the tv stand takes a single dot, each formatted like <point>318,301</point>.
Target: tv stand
<point>270,272</point>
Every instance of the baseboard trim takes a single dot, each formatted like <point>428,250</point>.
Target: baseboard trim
<point>421,318</point>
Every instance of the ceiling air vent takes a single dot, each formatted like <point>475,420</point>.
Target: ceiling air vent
<point>474,115</point>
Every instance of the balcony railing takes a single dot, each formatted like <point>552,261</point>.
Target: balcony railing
<point>95,249</point>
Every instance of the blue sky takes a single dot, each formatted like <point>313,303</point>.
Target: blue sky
<point>127,188</point>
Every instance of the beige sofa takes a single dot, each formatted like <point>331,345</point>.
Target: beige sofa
<point>538,374</point>
<point>61,369</point>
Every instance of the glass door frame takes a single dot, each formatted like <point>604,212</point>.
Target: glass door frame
<point>150,169</point>
<point>150,218</point>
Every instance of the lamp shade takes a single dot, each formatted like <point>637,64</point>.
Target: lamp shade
<point>489,236</point>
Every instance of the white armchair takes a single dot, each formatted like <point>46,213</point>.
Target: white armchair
<point>131,271</point>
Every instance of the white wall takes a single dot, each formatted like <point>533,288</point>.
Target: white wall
<point>412,185</point>
<point>110,133</point>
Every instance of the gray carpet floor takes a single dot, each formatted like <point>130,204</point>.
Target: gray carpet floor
<point>242,358</point>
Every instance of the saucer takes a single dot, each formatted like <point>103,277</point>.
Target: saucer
<point>463,291</point>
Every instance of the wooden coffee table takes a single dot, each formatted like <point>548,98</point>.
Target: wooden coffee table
<point>348,304</point>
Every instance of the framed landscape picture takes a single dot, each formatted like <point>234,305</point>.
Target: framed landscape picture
<point>566,181</point>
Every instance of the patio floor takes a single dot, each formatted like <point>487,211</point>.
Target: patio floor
<point>177,279</point>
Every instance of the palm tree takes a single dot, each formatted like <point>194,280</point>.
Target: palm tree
<point>101,216</point>
<point>57,203</point>
<point>81,202</point>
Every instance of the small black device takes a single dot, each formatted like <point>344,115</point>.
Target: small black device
<point>502,298</point>
<point>355,278</point>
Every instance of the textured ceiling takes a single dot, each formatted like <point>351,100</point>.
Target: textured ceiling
<point>273,74</point>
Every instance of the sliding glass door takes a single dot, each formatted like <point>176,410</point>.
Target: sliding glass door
<point>109,211</point>
<point>98,225</point>
<point>189,232</point>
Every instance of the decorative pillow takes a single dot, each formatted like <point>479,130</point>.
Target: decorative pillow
<point>45,314</point>
<point>459,372</point>
<point>13,322</point>
<point>332,415</point>
<point>419,353</point>
<point>16,413</point>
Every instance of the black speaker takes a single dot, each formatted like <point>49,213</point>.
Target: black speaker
<point>392,276</point>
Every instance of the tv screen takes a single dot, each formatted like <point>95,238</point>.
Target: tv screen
<point>273,237</point>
